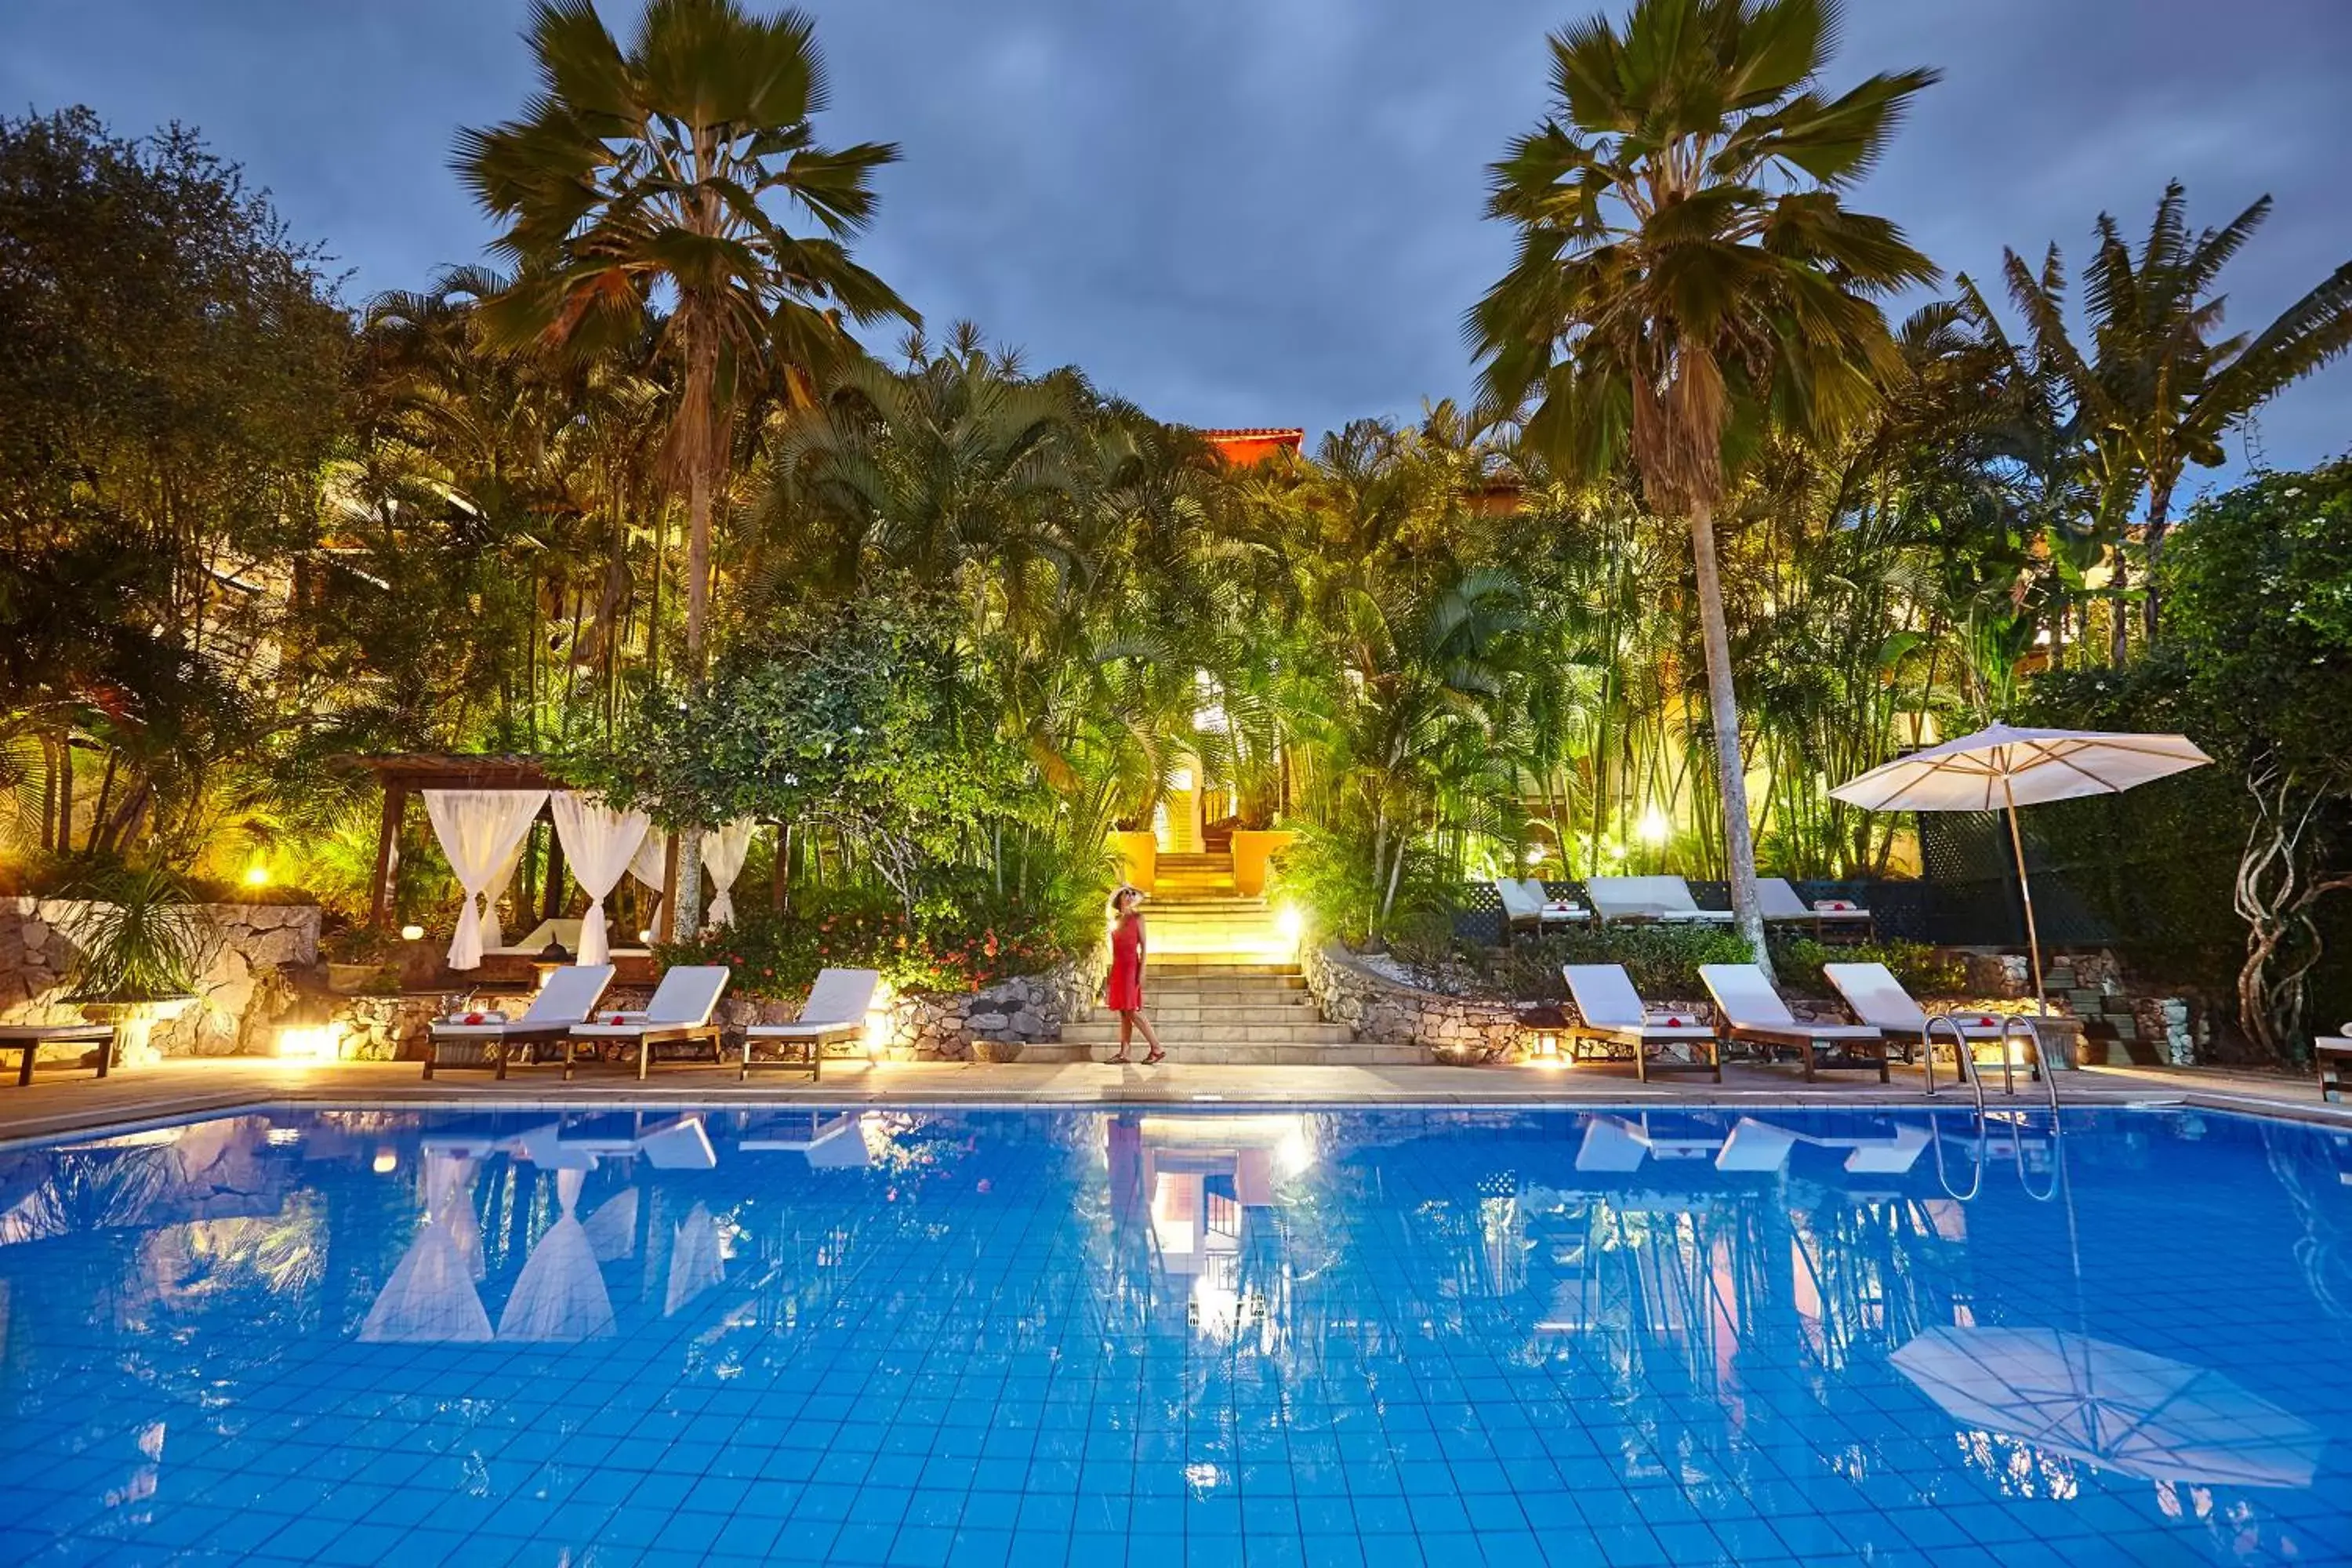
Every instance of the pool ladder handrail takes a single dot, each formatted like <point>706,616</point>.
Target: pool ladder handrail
<point>2013,1025</point>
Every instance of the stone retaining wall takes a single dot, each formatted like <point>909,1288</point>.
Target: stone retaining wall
<point>242,986</point>
<point>1389,1012</point>
<point>989,1024</point>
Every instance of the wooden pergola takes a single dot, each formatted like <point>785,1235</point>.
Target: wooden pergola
<point>404,773</point>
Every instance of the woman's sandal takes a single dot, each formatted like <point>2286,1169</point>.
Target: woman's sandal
<point>1155,1059</point>
<point>1120,1060</point>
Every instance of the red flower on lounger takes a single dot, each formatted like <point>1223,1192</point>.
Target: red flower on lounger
<point>473,1017</point>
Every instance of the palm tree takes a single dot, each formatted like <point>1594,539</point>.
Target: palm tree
<point>2160,389</point>
<point>646,178</point>
<point>1689,277</point>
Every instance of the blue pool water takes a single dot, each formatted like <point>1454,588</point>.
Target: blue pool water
<point>919,1337</point>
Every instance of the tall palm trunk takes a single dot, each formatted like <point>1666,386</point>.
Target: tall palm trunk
<point>2160,521</point>
<point>1723,708</point>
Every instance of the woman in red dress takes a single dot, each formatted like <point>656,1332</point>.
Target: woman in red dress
<point>1123,992</point>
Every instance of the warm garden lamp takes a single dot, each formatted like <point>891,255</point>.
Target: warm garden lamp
<point>2002,768</point>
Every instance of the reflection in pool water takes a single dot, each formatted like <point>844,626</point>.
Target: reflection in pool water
<point>1021,1337</point>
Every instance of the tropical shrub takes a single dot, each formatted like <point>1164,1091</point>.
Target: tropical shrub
<point>1921,970</point>
<point>954,945</point>
<point>138,938</point>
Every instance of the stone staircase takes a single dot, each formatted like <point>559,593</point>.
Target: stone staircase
<point>1221,984</point>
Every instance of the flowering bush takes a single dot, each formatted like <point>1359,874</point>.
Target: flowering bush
<point>956,943</point>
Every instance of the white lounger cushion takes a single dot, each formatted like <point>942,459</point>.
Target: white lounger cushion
<point>568,995</point>
<point>1748,1001</point>
<point>1647,898</point>
<point>836,1003</point>
<point>1879,1000</point>
<point>1780,901</point>
<point>685,998</point>
<point>1606,999</point>
<point>1516,902</point>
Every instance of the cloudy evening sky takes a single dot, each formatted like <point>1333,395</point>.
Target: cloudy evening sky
<point>1246,212</point>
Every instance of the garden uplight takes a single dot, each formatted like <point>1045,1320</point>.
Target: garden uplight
<point>411,934</point>
<point>256,875</point>
<point>1653,827</point>
<point>308,1043</point>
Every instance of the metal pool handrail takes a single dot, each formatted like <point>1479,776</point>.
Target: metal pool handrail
<point>2014,1025</point>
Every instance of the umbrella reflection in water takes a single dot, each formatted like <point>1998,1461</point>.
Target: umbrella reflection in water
<point>2110,1405</point>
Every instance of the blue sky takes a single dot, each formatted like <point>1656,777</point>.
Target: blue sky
<point>1244,212</point>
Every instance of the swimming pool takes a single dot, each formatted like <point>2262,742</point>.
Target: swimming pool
<point>927,1337</point>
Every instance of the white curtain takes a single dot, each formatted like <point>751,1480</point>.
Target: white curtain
<point>647,865</point>
<point>722,855</point>
<point>479,829</point>
<point>494,934</point>
<point>599,843</point>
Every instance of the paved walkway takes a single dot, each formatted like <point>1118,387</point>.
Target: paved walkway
<point>62,1101</point>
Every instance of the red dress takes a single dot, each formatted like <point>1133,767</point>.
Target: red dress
<point>1123,992</point>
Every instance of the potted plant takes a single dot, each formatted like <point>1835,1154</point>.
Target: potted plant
<point>139,942</point>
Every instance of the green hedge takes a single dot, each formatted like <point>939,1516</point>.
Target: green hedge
<point>1663,960</point>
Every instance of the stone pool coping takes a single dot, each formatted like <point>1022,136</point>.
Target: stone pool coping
<point>65,1103</point>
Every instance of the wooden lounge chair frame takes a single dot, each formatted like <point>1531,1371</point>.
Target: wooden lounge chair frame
<point>2335,1055</point>
<point>527,1031</point>
<point>1588,981</point>
<point>29,1038</point>
<point>1790,1032</point>
<point>840,1000</point>
<point>648,1031</point>
<point>1869,991</point>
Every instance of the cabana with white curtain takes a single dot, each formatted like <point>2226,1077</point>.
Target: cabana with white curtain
<point>487,811</point>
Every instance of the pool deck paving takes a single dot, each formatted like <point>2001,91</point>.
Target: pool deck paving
<point>63,1101</point>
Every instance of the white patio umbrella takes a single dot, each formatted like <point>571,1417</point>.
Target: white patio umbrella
<point>2005,768</point>
<point>2110,1405</point>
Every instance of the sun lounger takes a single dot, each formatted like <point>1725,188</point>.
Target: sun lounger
<point>30,1037</point>
<point>1831,919</point>
<point>1611,1011</point>
<point>1748,1009</point>
<point>568,997</point>
<point>2335,1055</point>
<point>1873,995</point>
<point>1526,906</point>
<point>835,1010</point>
<point>679,1012</point>
<point>1657,900</point>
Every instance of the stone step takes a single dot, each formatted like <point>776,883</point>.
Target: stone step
<point>1216,962</point>
<point>1106,1027</point>
<point>1352,1054</point>
<point>1173,983</point>
<point>1159,1004</point>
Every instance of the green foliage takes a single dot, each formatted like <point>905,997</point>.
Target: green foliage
<point>1923,971</point>
<point>1663,960</point>
<point>137,939</point>
<point>962,940</point>
<point>854,718</point>
<point>2254,664</point>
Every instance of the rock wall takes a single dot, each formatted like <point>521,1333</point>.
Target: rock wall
<point>1389,1012</point>
<point>990,1025</point>
<point>242,987</point>
<point>993,1024</point>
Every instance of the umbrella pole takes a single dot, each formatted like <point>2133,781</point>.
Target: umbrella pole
<point>2025,890</point>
